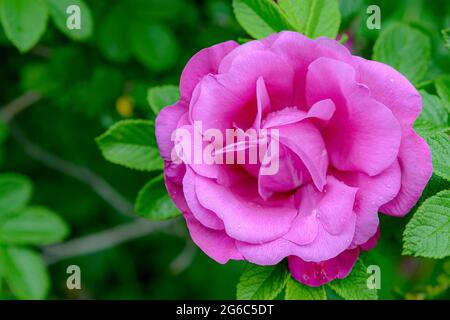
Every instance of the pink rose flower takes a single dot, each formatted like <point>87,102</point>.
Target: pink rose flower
<point>347,152</point>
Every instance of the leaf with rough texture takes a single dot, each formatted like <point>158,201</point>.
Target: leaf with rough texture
<point>58,11</point>
<point>427,234</point>
<point>404,48</point>
<point>33,225</point>
<point>297,291</point>
<point>24,272</point>
<point>260,18</point>
<point>15,192</point>
<point>443,89</point>
<point>131,143</point>
<point>162,96</point>
<point>433,109</point>
<point>24,21</point>
<point>440,148</point>
<point>427,129</point>
<point>314,18</point>
<point>354,286</point>
<point>262,282</point>
<point>154,203</point>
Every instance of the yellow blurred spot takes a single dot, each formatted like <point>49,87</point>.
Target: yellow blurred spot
<point>125,106</point>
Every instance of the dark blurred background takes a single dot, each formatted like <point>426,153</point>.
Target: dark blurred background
<point>83,87</point>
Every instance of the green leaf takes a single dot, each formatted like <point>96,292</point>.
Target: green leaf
<point>58,11</point>
<point>428,232</point>
<point>440,148</point>
<point>314,18</point>
<point>155,46</point>
<point>131,143</point>
<point>443,89</point>
<point>297,291</point>
<point>160,97</point>
<point>433,109</point>
<point>427,129</point>
<point>350,8</point>
<point>24,21</point>
<point>113,35</point>
<point>24,272</point>
<point>260,18</point>
<point>406,49</point>
<point>262,282</point>
<point>15,192</point>
<point>354,286</point>
<point>33,225</point>
<point>154,203</point>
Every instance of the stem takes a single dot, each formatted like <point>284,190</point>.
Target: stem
<point>424,84</point>
<point>184,259</point>
<point>102,240</point>
<point>98,184</point>
<point>91,243</point>
<point>19,104</point>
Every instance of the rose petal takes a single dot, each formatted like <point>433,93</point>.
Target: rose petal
<point>263,102</point>
<point>165,124</point>
<point>392,89</point>
<point>206,217</point>
<point>363,135</point>
<point>246,219</point>
<point>415,163</point>
<point>215,243</point>
<point>372,193</point>
<point>202,63</point>
<point>306,141</point>
<point>302,240</point>
<point>315,274</point>
<point>322,110</point>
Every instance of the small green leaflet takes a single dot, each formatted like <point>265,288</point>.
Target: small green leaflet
<point>440,148</point>
<point>154,203</point>
<point>404,48</point>
<point>427,129</point>
<point>58,10</point>
<point>354,286</point>
<point>24,272</point>
<point>131,143</point>
<point>433,109</point>
<point>260,18</point>
<point>33,225</point>
<point>428,232</point>
<point>15,192</point>
<point>442,85</point>
<point>297,291</point>
<point>162,96</point>
<point>314,18</point>
<point>24,21</point>
<point>262,282</point>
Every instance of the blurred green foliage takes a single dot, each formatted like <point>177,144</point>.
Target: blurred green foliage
<point>92,78</point>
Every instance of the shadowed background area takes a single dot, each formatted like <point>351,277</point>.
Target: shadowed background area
<point>65,91</point>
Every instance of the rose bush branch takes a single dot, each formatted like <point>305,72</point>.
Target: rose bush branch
<point>105,239</point>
